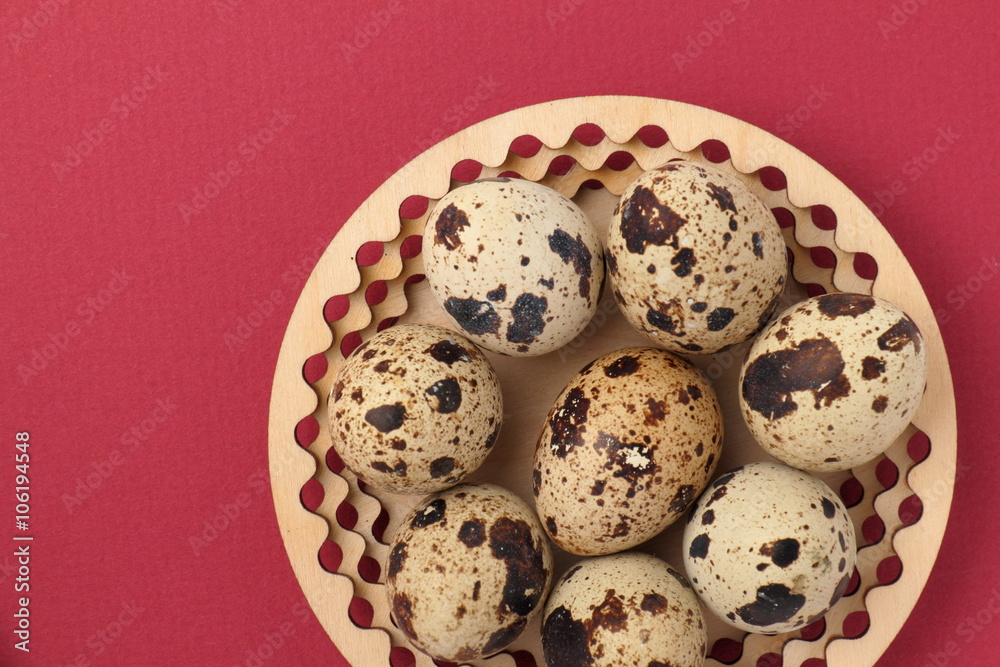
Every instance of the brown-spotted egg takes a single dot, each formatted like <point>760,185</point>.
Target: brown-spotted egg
<point>415,409</point>
<point>696,259</point>
<point>620,611</point>
<point>769,548</point>
<point>517,265</point>
<point>467,571</point>
<point>629,443</point>
<point>833,381</point>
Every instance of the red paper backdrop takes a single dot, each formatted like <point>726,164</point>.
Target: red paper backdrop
<point>141,323</point>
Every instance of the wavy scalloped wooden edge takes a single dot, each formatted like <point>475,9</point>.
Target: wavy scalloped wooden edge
<point>687,130</point>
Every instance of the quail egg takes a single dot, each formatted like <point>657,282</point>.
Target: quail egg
<point>517,265</point>
<point>696,259</point>
<point>769,548</point>
<point>467,571</point>
<point>415,409</point>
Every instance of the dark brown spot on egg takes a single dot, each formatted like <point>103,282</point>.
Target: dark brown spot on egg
<point>872,368</point>
<point>475,590</point>
<point>622,528</point>
<point>528,322</point>
<point>565,640</point>
<point>430,515</point>
<point>402,610</point>
<point>472,533</point>
<point>398,444</point>
<point>682,499</point>
<point>682,397</point>
<point>683,262</point>
<point>694,392</point>
<point>844,304</point>
<point>708,518</point>
<point>575,252</point>
<point>771,378</point>
<point>841,589</point>
<point>733,225</point>
<point>843,542</point>
<point>699,546</point>
<point>880,404</point>
<point>655,412</point>
<point>692,347</point>
<point>511,541</point>
<point>550,283</point>
<point>358,396</point>
<point>567,422</point>
<point>386,418</point>
<point>598,487</point>
<point>447,352</point>
<point>338,390</point>
<point>550,525</point>
<point>491,439</point>
<point>525,260</point>
<point>765,316</point>
<point>611,262</point>
<point>382,366</point>
<point>610,614</point>
<point>536,481</point>
<point>654,603</point>
<point>622,366</point>
<point>498,294</point>
<point>829,509</point>
<point>775,603</point>
<point>476,317</point>
<point>629,461</point>
<point>442,466</point>
<point>504,636</point>
<point>646,221</point>
<point>446,395</point>
<point>781,334</point>
<point>699,306</point>
<point>450,222</point>
<point>781,552</point>
<point>681,579</point>
<point>758,245</point>
<point>839,388</point>
<point>720,318</point>
<point>397,558</point>
<point>899,335</point>
<point>722,196</point>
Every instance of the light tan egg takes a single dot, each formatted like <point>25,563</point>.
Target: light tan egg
<point>769,548</point>
<point>517,265</point>
<point>696,259</point>
<point>833,381</point>
<point>467,571</point>
<point>620,611</point>
<point>629,443</point>
<point>415,409</point>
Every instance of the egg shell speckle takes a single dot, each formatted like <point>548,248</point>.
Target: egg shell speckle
<point>516,265</point>
<point>467,571</point>
<point>769,548</point>
<point>627,446</point>
<point>620,611</point>
<point>696,259</point>
<point>415,409</point>
<point>833,381</point>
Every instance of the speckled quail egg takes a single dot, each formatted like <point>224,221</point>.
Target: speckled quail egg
<point>517,265</point>
<point>769,548</point>
<point>833,381</point>
<point>629,443</point>
<point>467,571</point>
<point>415,409</point>
<point>696,259</point>
<point>620,611</point>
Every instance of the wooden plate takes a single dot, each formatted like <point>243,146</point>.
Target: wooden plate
<point>590,148</point>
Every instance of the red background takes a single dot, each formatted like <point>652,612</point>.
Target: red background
<point>160,348</point>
